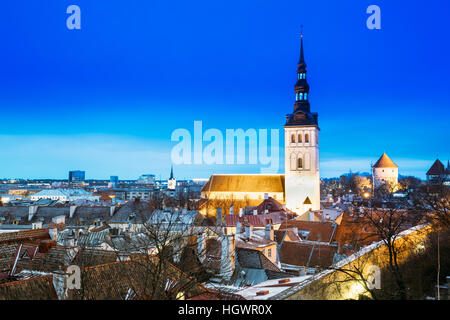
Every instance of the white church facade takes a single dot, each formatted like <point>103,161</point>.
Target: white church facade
<point>299,187</point>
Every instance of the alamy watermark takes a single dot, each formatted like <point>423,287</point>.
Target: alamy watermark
<point>374,20</point>
<point>236,146</point>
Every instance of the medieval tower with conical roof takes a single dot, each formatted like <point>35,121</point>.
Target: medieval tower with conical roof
<point>301,131</point>
<point>384,171</point>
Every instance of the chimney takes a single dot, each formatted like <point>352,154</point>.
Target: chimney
<point>111,210</point>
<point>32,210</point>
<point>72,211</point>
<point>327,216</point>
<point>53,232</point>
<point>266,196</point>
<point>238,227</point>
<point>255,212</point>
<point>311,215</point>
<point>268,232</point>
<point>231,210</point>
<point>219,217</point>
<point>241,212</point>
<point>201,246</point>
<point>227,261</point>
<point>248,231</point>
<point>36,225</point>
<point>59,219</point>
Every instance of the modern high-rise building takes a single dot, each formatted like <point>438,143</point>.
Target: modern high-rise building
<point>76,176</point>
<point>114,180</point>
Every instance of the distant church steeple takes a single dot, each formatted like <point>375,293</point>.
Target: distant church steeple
<point>171,183</point>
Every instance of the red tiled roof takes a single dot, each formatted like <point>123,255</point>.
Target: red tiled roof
<point>24,235</point>
<point>436,169</point>
<point>299,254</point>
<point>252,220</point>
<point>319,231</point>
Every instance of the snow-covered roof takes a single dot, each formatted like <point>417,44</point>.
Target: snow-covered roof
<point>273,287</point>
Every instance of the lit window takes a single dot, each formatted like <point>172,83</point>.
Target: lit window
<point>300,96</point>
<point>296,97</point>
<point>300,163</point>
<point>306,96</point>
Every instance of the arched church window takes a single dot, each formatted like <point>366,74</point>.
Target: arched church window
<point>293,138</point>
<point>300,163</point>
<point>300,96</point>
<point>307,138</point>
<point>306,96</point>
<point>299,138</point>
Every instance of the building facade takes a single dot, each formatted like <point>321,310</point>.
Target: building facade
<point>77,176</point>
<point>301,158</point>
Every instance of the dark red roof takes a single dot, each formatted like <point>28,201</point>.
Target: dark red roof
<point>318,231</point>
<point>436,169</point>
<point>307,254</point>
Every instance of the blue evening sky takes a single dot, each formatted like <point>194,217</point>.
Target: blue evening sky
<point>107,98</point>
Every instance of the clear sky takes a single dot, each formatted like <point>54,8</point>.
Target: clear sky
<point>107,98</point>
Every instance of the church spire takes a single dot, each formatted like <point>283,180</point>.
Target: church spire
<point>171,173</point>
<point>301,86</point>
<point>301,65</point>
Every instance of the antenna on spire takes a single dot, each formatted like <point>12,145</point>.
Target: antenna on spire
<point>301,31</point>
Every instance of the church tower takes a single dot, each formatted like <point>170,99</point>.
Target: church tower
<point>171,183</point>
<point>301,132</point>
